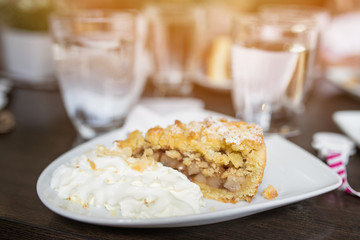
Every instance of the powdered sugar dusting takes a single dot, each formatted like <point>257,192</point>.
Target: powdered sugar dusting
<point>231,133</point>
<point>252,134</point>
<point>176,129</point>
<point>195,126</point>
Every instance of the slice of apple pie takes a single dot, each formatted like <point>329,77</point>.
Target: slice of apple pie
<point>225,158</point>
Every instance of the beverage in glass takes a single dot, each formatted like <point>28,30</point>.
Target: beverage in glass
<point>268,65</point>
<point>96,62</point>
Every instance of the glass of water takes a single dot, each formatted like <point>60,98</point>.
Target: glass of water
<point>268,65</point>
<point>176,37</point>
<point>98,68</point>
<point>318,17</point>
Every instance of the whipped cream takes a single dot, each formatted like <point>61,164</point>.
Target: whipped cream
<point>132,187</point>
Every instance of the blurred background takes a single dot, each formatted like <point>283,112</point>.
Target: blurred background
<point>31,17</point>
<point>26,57</point>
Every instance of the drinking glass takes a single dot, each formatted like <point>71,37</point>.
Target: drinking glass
<point>316,17</point>
<point>216,53</point>
<point>320,15</point>
<point>176,33</point>
<point>97,64</point>
<point>268,65</point>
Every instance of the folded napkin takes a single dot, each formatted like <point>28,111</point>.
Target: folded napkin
<point>151,112</point>
<point>165,106</point>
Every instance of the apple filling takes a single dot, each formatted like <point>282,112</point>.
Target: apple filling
<point>198,170</point>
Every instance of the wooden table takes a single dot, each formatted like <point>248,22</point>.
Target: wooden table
<point>43,132</point>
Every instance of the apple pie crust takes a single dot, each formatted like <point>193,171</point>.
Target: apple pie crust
<point>225,158</point>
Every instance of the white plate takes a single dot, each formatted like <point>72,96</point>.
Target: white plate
<point>349,123</point>
<point>296,174</point>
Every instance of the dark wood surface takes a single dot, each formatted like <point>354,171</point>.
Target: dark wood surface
<point>43,132</point>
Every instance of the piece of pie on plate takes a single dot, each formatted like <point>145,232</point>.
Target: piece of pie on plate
<point>225,158</point>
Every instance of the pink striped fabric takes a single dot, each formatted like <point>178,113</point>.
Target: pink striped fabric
<point>336,149</point>
<point>336,162</point>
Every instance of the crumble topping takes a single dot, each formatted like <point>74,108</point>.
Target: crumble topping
<point>269,192</point>
<point>233,133</point>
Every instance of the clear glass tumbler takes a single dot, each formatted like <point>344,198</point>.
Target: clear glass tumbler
<point>175,43</point>
<point>268,65</point>
<point>97,65</point>
<point>318,18</point>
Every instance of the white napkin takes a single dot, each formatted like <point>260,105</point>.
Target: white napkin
<point>151,112</point>
<point>166,106</point>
